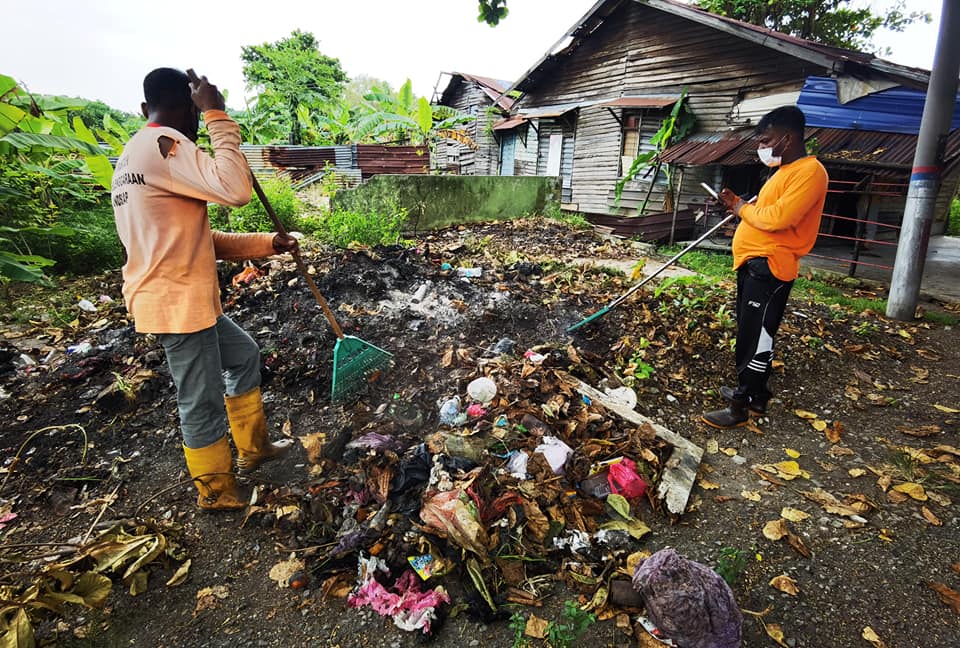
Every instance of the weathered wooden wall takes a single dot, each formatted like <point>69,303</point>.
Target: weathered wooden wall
<point>457,158</point>
<point>641,51</point>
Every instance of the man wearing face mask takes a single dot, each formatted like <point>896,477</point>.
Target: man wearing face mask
<point>772,236</point>
<point>161,187</point>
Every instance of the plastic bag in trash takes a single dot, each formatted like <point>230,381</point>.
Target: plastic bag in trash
<point>623,479</point>
<point>689,602</point>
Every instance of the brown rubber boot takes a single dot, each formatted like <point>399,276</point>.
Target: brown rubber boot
<point>732,416</point>
<point>248,425</point>
<point>213,476</point>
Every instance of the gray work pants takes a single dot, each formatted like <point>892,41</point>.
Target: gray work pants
<point>204,365</point>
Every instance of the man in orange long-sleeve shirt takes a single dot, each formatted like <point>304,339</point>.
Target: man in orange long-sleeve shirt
<point>771,238</point>
<point>161,187</point>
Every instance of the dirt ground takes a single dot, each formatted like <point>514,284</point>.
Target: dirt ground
<point>866,408</point>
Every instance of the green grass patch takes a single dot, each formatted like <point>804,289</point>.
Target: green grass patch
<point>576,220</point>
<point>953,224</point>
<point>820,290</point>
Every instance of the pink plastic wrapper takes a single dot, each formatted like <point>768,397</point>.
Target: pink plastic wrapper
<point>624,480</point>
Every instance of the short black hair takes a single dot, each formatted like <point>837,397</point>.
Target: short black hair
<point>167,88</point>
<point>789,118</point>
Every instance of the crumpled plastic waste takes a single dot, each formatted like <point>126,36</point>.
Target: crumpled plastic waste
<point>86,305</point>
<point>476,410</point>
<point>517,464</point>
<point>689,602</point>
<point>556,453</point>
<point>623,395</point>
<point>409,607</point>
<point>376,441</point>
<point>623,479</point>
<point>482,389</point>
<point>450,413</point>
<point>453,515</point>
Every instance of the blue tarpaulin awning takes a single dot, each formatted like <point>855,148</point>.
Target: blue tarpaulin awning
<point>896,110</point>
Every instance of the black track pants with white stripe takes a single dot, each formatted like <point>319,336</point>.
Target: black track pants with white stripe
<point>761,301</point>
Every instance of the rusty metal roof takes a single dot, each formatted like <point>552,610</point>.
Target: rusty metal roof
<point>507,124</point>
<point>495,89</point>
<point>866,151</point>
<point>659,101</point>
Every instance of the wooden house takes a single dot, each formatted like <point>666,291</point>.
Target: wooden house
<point>595,100</point>
<point>486,100</point>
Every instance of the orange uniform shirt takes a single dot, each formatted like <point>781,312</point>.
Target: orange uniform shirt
<point>783,224</point>
<point>160,207</point>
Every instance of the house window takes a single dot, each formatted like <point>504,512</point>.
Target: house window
<point>629,141</point>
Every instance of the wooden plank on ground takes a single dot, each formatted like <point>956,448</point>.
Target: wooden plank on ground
<point>680,469</point>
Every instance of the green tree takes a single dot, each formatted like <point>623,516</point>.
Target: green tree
<point>405,118</point>
<point>840,23</point>
<point>492,11</point>
<point>293,78</point>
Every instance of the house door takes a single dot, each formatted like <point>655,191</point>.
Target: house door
<point>508,154</point>
<point>554,154</point>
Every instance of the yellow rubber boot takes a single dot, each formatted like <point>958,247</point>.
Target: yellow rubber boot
<point>248,425</point>
<point>213,476</point>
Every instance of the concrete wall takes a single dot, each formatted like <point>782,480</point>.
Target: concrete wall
<point>438,201</point>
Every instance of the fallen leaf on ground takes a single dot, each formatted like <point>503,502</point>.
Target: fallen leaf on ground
<point>948,410</point>
<point>794,515</point>
<point>706,484</point>
<point>913,490</point>
<point>930,517</point>
<point>919,430</point>
<point>283,570</point>
<point>834,431</point>
<point>793,454</point>
<point>785,584</point>
<point>730,452</point>
<point>829,502</point>
<point>775,529</point>
<point>856,472</point>
<point>873,638</point>
<point>775,632</point>
<point>536,627</point>
<point>804,414</point>
<point>753,496</point>
<point>949,596</point>
<point>955,567</point>
<point>180,575</point>
<point>713,447</point>
<point>819,425</point>
<point>208,596</point>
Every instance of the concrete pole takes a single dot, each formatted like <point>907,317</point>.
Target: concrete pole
<point>927,166</point>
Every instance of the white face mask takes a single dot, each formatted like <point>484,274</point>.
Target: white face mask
<point>766,156</point>
<point>765,153</point>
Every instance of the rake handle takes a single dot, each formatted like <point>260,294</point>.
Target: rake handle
<point>298,259</point>
<point>673,260</point>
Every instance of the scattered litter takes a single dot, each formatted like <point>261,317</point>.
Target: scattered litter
<point>409,607</point>
<point>469,273</point>
<point>450,412</point>
<point>623,395</point>
<point>482,390</point>
<point>87,305</point>
<point>556,452</point>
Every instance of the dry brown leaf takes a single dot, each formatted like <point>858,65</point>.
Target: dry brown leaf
<point>912,489</point>
<point>939,498</point>
<point>930,517</point>
<point>919,430</point>
<point>712,447</point>
<point>775,632</point>
<point>884,482</point>
<point>208,596</point>
<point>707,484</point>
<point>536,627</point>
<point>794,515</point>
<point>785,584</point>
<point>447,360</point>
<point>834,431</point>
<point>283,570</point>
<point>775,529</point>
<point>948,596</point>
<point>873,638</point>
<point>856,472</point>
<point>753,496</point>
<point>955,567</point>
<point>797,543</point>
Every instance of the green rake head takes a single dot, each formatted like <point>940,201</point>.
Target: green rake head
<point>354,363</point>
<point>600,313</point>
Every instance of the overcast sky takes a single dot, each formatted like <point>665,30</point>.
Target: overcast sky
<point>101,49</point>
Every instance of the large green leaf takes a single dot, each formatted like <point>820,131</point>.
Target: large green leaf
<point>114,127</point>
<point>14,270</point>
<point>10,116</point>
<point>6,84</point>
<point>424,115</point>
<point>28,142</point>
<point>99,165</point>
